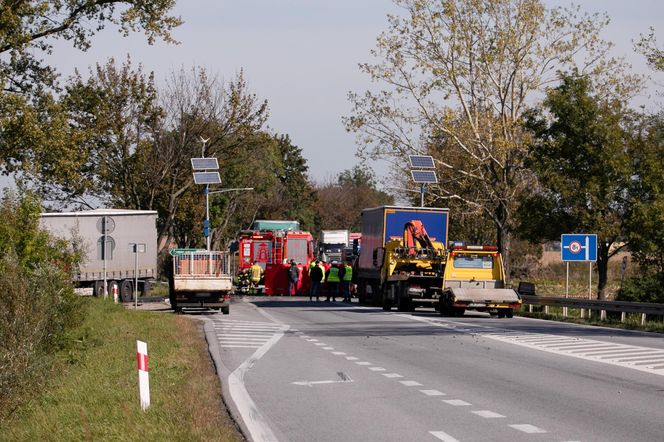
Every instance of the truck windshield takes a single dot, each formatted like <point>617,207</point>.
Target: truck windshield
<point>473,262</point>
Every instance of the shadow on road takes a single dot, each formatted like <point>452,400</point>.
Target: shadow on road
<point>443,325</point>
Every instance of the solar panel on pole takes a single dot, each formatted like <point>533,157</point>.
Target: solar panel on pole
<point>204,164</point>
<point>207,178</point>
<point>424,176</point>
<point>421,161</point>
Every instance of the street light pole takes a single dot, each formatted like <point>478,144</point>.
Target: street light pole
<point>206,225</point>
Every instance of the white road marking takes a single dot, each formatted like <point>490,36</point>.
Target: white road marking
<point>352,358</point>
<point>487,414</point>
<point>255,422</point>
<point>377,369</point>
<point>312,383</point>
<point>363,363</point>
<point>312,340</point>
<point>411,383</point>
<point>240,346</point>
<point>457,402</point>
<point>392,375</point>
<point>338,353</point>
<point>527,428</point>
<point>443,436</point>
<point>319,344</point>
<point>305,336</point>
<point>245,335</point>
<point>432,392</point>
<point>580,348</point>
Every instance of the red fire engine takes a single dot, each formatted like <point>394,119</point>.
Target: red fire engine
<point>273,250</point>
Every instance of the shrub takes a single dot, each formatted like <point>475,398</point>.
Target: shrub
<point>645,288</point>
<point>37,301</point>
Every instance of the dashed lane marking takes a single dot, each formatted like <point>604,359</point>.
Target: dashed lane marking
<point>392,375</point>
<point>338,353</point>
<point>377,369</point>
<point>487,414</point>
<point>432,392</point>
<point>411,383</point>
<point>443,436</point>
<point>646,359</point>
<point>527,428</point>
<point>351,358</point>
<point>457,402</point>
<point>363,363</point>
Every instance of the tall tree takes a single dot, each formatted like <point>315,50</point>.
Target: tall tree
<point>581,159</point>
<point>198,108</point>
<point>645,217</point>
<point>115,115</point>
<point>342,201</point>
<point>457,76</point>
<point>28,28</point>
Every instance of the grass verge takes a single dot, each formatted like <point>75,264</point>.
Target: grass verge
<point>92,393</point>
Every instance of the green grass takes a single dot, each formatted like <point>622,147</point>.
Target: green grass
<point>92,393</point>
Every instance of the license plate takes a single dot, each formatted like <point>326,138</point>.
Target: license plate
<point>203,295</point>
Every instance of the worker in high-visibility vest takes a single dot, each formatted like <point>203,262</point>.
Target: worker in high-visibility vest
<point>333,280</point>
<point>346,281</point>
<point>256,273</point>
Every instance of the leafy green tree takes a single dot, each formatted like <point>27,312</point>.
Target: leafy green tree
<point>455,78</point>
<point>583,169</point>
<point>34,135</point>
<point>28,28</point>
<point>293,197</point>
<point>37,301</point>
<point>645,217</point>
<point>341,202</point>
<point>115,116</point>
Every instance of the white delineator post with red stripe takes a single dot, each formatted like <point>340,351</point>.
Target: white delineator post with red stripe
<point>143,374</point>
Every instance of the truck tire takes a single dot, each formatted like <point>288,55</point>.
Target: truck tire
<point>404,304</point>
<point>458,311</point>
<point>225,310</point>
<point>126,290</point>
<point>98,288</point>
<point>147,288</point>
<point>387,304</point>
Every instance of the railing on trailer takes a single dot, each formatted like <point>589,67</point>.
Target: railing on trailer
<point>201,264</point>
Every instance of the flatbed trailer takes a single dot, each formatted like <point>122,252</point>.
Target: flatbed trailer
<point>200,279</point>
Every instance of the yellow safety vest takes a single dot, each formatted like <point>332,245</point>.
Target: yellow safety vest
<point>348,275</point>
<point>334,275</point>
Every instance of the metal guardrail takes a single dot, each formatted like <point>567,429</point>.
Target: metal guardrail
<point>644,308</point>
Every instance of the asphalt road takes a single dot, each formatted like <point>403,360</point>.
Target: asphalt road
<point>295,370</point>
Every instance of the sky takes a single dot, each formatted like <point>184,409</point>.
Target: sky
<point>302,57</point>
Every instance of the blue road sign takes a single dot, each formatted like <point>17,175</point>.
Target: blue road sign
<point>578,247</point>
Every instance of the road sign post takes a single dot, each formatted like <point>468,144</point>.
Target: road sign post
<point>579,248</point>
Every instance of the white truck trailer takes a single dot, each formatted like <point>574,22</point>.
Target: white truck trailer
<point>332,243</point>
<point>119,246</point>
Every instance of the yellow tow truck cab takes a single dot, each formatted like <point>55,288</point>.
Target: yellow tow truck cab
<point>474,278</point>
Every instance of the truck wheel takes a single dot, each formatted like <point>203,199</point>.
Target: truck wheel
<point>147,288</point>
<point>458,311</point>
<point>226,310</point>
<point>126,290</point>
<point>509,313</point>
<point>387,304</point>
<point>99,288</point>
<point>404,304</point>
